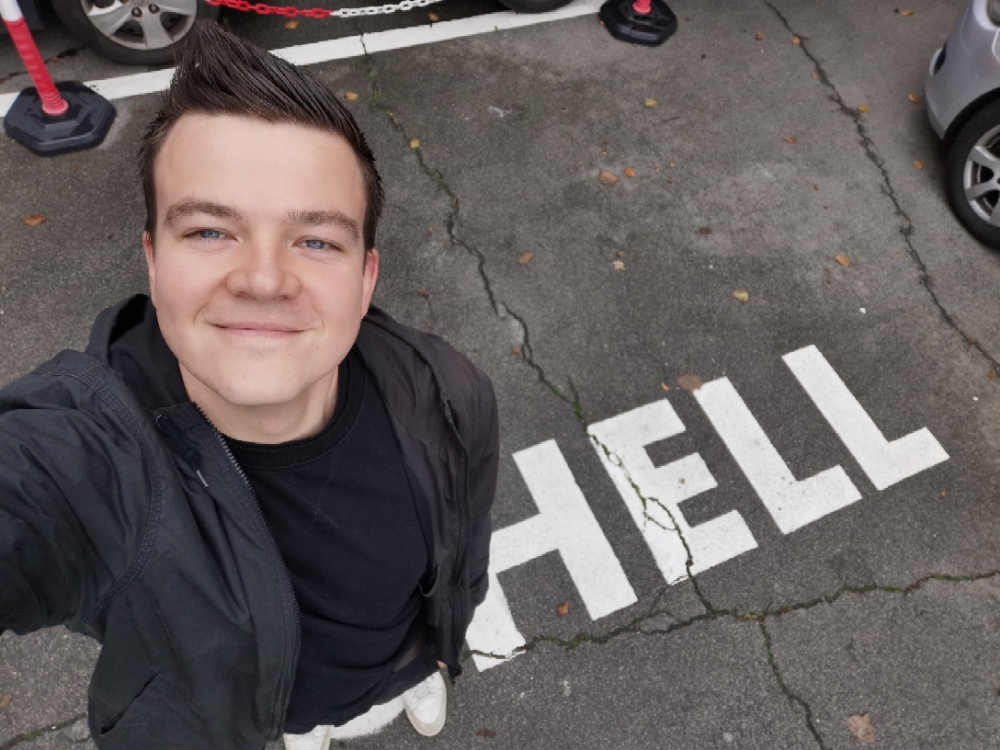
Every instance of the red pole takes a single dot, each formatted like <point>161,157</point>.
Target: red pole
<point>53,103</point>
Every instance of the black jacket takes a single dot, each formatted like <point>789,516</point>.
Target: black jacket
<point>127,519</point>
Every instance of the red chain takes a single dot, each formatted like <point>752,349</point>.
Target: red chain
<point>267,10</point>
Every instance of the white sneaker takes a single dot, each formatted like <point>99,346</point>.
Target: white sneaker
<point>426,704</point>
<point>317,739</point>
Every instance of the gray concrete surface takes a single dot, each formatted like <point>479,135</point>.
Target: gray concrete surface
<point>887,607</point>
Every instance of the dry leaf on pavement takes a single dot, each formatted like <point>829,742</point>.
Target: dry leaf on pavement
<point>759,35</point>
<point>414,143</point>
<point>905,13</point>
<point>629,172</point>
<point>526,258</point>
<point>433,17</point>
<point>791,139</point>
<point>704,230</point>
<point>422,293</point>
<point>291,23</point>
<point>863,108</point>
<point>563,609</point>
<point>992,374</point>
<point>918,164</point>
<point>5,700</point>
<point>607,178</point>
<point>350,96</point>
<point>516,350</point>
<point>796,40</point>
<point>651,102</point>
<point>664,386</point>
<point>842,260</point>
<point>619,265</point>
<point>741,295</point>
<point>689,383</point>
<point>487,733</point>
<point>33,220</point>
<point>915,98</point>
<point>862,727</point>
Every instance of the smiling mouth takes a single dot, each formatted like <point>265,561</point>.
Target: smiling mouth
<point>259,330</point>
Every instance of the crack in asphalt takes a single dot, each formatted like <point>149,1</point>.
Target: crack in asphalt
<point>868,146</point>
<point>41,732</point>
<point>500,308</point>
<point>634,626</point>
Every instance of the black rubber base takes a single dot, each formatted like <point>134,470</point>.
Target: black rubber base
<point>650,29</point>
<point>82,126</point>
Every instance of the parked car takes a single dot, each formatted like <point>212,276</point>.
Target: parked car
<point>150,32</point>
<point>963,103</point>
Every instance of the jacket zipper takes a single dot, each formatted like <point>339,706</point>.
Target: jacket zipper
<point>458,612</point>
<point>284,693</point>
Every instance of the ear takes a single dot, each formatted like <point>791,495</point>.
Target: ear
<point>147,246</point>
<point>368,279</point>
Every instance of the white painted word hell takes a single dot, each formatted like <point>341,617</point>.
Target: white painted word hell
<point>565,523</point>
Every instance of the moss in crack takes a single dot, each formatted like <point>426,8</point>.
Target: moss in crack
<point>792,697</point>
<point>35,734</point>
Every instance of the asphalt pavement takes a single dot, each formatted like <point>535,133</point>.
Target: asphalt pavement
<point>734,330</point>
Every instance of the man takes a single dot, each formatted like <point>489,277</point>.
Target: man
<point>268,500</point>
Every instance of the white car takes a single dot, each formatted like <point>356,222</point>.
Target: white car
<point>963,103</point>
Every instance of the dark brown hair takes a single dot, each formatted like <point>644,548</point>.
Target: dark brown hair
<point>220,74</point>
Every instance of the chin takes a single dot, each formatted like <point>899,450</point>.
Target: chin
<point>260,394</point>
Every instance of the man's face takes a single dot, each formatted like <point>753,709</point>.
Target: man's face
<point>258,270</point>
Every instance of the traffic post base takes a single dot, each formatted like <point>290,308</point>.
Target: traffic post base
<point>83,125</point>
<point>646,22</point>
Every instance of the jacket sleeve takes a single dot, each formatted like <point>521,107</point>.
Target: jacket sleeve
<point>484,456</point>
<point>61,527</point>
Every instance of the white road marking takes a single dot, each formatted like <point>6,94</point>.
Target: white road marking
<point>791,503</point>
<point>337,49</point>
<point>884,462</point>
<point>665,488</point>
<point>564,523</point>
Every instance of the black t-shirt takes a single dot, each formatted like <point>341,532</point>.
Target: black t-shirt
<point>356,540</point>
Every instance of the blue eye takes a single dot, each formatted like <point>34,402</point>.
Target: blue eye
<point>317,244</point>
<point>208,234</point>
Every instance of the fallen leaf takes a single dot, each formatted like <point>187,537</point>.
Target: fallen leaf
<point>944,493</point>
<point>629,172</point>
<point>433,17</point>
<point>486,733</point>
<point>664,386</point>
<point>796,40</point>
<point>914,98</point>
<point>689,383</point>
<point>815,74</point>
<point>791,139</point>
<point>422,293</point>
<point>704,230</point>
<point>563,609</point>
<point>973,340</point>
<point>33,220</point>
<point>604,153</point>
<point>759,35</point>
<point>862,727</point>
<point>842,260</point>
<point>414,143</point>
<point>741,295</point>
<point>350,96</point>
<point>620,254</point>
<point>516,350</point>
<point>703,55</point>
<point>291,23</point>
<point>992,374</point>
<point>905,13</point>
<point>526,258</point>
<point>619,265</point>
<point>918,164</point>
<point>607,178</point>
<point>863,108</point>
<point>5,700</point>
<point>651,102</point>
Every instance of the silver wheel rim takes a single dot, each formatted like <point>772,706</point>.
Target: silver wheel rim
<point>981,177</point>
<point>143,24</point>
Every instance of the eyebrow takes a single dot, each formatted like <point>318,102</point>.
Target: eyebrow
<point>190,207</point>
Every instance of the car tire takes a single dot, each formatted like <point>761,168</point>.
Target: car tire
<point>534,6</point>
<point>133,32</point>
<point>973,178</point>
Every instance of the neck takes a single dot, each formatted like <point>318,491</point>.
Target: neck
<point>267,424</point>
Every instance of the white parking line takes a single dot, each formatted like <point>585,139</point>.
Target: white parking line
<point>346,47</point>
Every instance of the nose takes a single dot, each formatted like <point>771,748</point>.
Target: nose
<point>264,271</point>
